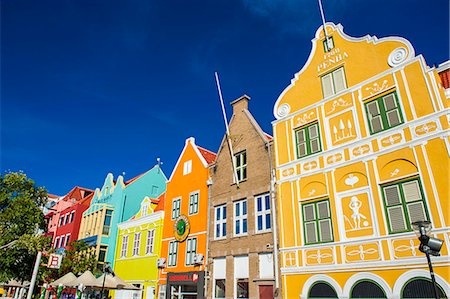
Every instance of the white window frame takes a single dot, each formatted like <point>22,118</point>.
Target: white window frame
<point>123,251</point>
<point>222,221</point>
<point>144,209</point>
<point>187,167</point>
<point>150,244</point>
<point>194,199</point>
<point>72,216</point>
<point>176,208</point>
<point>62,239</point>
<point>333,75</point>
<point>136,243</point>
<point>67,240</point>
<point>241,218</point>
<point>172,254</point>
<point>191,250</point>
<point>263,213</point>
<point>56,242</point>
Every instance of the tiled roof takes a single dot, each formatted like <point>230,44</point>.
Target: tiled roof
<point>160,205</point>
<point>445,78</point>
<point>268,137</point>
<point>209,156</point>
<point>78,193</point>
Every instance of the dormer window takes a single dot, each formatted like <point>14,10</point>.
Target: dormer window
<point>328,44</point>
<point>187,167</point>
<point>333,82</point>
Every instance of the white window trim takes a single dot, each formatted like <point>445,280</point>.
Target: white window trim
<point>172,252</point>
<point>198,202</point>
<point>221,221</point>
<point>56,242</point>
<point>136,244</point>
<point>263,213</point>
<point>124,249</point>
<point>187,167</point>
<point>190,255</point>
<point>240,167</point>
<point>150,244</point>
<point>333,83</point>
<point>179,208</point>
<point>240,218</point>
<point>66,242</point>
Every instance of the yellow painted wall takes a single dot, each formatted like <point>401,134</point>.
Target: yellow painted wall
<point>354,165</point>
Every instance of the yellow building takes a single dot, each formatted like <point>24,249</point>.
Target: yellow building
<point>362,151</point>
<point>138,249</point>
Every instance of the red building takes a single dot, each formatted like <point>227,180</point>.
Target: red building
<point>68,214</point>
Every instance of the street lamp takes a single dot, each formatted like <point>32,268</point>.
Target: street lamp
<point>428,245</point>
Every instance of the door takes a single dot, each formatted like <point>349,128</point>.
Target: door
<point>265,292</point>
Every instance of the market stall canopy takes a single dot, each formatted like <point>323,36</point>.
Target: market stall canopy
<point>114,282</point>
<point>15,284</point>
<point>69,277</point>
<point>87,279</point>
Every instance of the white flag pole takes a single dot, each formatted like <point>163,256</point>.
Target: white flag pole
<point>227,130</point>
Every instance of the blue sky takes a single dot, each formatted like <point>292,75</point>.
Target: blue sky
<point>90,87</point>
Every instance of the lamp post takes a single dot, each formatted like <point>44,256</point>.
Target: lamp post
<point>429,246</point>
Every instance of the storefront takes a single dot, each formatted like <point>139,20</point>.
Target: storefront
<point>185,285</point>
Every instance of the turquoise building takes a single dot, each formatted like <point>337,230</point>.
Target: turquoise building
<point>116,202</point>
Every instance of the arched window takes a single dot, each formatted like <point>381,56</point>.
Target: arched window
<point>421,288</point>
<point>322,290</point>
<point>367,289</point>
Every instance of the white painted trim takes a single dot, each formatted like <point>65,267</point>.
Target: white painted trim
<point>439,99</point>
<point>283,244</point>
<point>408,95</point>
<point>434,187</point>
<point>285,287</point>
<point>277,160</point>
<point>290,132</point>
<point>190,140</point>
<point>340,29</point>
<point>293,213</point>
<point>443,66</point>
<point>418,273</point>
<point>300,215</point>
<point>424,73</point>
<point>316,278</point>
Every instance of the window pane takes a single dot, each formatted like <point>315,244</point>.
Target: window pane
<point>238,227</point>
<point>301,148</point>
<point>244,207</point>
<point>308,211</point>
<point>224,209</point>
<point>260,224</point>
<point>373,109</point>
<point>242,288</point>
<point>224,229</point>
<point>392,195</point>
<point>327,86</point>
<point>217,230</point>
<point>397,219</point>
<point>411,191</point>
<point>310,231</point>
<point>325,230</point>
<point>376,124</point>
<point>267,202</point>
<point>217,213</point>
<point>389,102</point>
<point>237,209</point>
<point>300,135</point>
<point>393,118</point>
<point>313,131</point>
<point>268,224</point>
<point>323,210</point>
<point>315,146</point>
<point>259,204</point>
<point>244,226</point>
<point>220,288</point>
<point>339,80</point>
<point>416,212</point>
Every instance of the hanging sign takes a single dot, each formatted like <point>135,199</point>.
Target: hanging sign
<point>181,228</point>
<point>54,261</point>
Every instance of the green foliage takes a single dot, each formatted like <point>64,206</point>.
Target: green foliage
<point>76,260</point>
<point>21,203</point>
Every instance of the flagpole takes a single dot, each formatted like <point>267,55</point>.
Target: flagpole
<point>227,130</point>
<point>322,14</point>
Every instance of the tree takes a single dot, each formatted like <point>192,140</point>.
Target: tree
<point>76,259</point>
<point>21,216</point>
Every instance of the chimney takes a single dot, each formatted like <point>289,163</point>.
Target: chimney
<point>240,104</point>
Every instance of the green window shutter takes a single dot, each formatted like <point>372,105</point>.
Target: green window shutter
<point>317,222</point>
<point>323,209</point>
<point>392,112</point>
<point>314,138</point>
<point>416,211</point>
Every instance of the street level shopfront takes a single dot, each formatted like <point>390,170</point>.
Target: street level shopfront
<point>185,285</point>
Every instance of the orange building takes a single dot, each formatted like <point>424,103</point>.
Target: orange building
<point>184,240</point>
